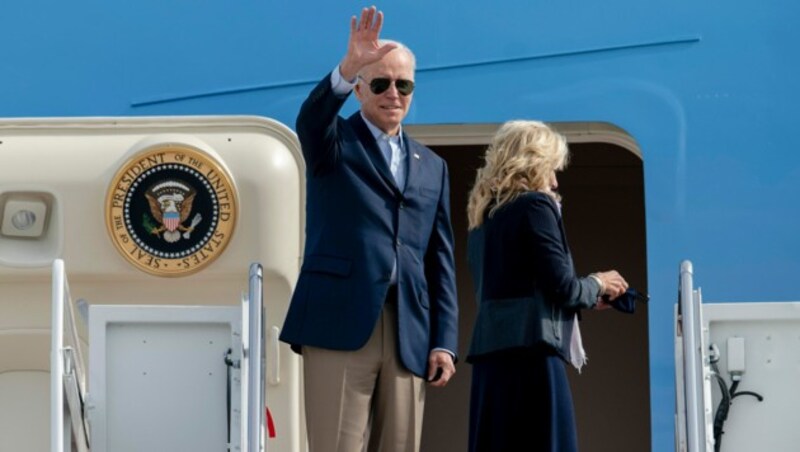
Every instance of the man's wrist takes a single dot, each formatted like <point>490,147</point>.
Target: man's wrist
<point>347,72</point>
<point>440,349</point>
<point>339,84</point>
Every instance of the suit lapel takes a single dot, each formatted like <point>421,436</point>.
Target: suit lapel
<point>373,151</point>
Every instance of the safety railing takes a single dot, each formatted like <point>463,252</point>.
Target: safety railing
<point>68,426</point>
<point>691,384</point>
<point>253,363</point>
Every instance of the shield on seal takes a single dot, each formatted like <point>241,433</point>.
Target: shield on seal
<point>170,204</point>
<point>172,220</point>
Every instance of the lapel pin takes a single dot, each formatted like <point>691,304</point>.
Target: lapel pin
<point>416,156</point>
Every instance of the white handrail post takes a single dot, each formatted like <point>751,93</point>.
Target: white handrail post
<point>693,365</point>
<point>256,405</point>
<point>57,359</point>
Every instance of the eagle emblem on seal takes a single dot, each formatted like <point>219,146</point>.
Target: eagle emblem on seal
<point>171,205</point>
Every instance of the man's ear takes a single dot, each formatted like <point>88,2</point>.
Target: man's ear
<point>357,90</point>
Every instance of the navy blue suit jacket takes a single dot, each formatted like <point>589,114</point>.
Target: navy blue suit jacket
<point>357,222</point>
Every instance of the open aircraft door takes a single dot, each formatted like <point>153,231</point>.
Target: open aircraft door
<point>160,213</point>
<point>736,370</point>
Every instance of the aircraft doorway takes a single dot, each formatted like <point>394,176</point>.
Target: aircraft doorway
<point>612,395</point>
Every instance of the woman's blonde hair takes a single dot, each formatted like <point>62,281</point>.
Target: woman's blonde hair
<point>521,158</point>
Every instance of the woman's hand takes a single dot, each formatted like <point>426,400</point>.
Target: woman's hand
<point>613,283</point>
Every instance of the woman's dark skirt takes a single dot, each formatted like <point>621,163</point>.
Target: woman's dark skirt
<point>520,401</point>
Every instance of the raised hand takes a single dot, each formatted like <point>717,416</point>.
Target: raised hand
<point>363,48</point>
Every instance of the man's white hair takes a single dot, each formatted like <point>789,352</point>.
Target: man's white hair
<point>401,47</point>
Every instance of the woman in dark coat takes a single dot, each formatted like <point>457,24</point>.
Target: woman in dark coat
<point>529,296</point>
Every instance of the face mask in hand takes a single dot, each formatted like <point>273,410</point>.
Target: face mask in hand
<point>627,301</point>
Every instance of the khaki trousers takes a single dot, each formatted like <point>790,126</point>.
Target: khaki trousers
<point>363,400</point>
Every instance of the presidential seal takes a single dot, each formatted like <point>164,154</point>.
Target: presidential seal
<point>171,210</point>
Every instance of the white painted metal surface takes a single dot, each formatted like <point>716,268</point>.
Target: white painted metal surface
<point>70,162</point>
<point>752,349</point>
<point>157,377</point>
<point>771,336</point>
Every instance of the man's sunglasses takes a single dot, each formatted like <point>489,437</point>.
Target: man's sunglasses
<point>381,84</point>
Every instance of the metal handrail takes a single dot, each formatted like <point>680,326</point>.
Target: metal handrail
<point>256,369</point>
<point>67,382</point>
<point>690,309</point>
<point>57,359</point>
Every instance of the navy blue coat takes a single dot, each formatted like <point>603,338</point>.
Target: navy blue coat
<point>357,222</point>
<point>527,287</point>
